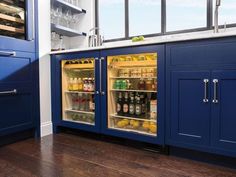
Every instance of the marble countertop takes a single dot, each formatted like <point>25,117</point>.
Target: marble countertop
<point>157,40</point>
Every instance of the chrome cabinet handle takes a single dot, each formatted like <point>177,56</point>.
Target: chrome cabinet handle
<point>205,99</point>
<point>9,92</point>
<point>7,54</point>
<point>215,99</point>
<point>97,92</point>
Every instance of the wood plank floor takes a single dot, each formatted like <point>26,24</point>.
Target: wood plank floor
<point>73,156</point>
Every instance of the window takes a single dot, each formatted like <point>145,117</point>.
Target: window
<point>185,14</point>
<point>227,12</point>
<point>144,17</point>
<point>112,18</point>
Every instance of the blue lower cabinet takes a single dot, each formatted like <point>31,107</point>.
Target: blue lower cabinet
<point>190,107</point>
<point>223,110</point>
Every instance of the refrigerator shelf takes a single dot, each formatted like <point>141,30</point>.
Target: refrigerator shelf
<point>11,18</point>
<point>82,112</point>
<point>133,131</point>
<point>150,63</point>
<point>132,118</point>
<point>145,91</point>
<point>133,77</point>
<point>79,66</point>
<point>79,122</point>
<point>12,29</point>
<point>71,92</point>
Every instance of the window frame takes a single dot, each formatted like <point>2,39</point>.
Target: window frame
<point>209,21</point>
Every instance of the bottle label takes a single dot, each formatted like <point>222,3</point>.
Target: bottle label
<point>131,109</point>
<point>138,109</point>
<point>118,107</point>
<point>125,108</point>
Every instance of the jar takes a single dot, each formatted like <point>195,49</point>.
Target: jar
<point>149,83</point>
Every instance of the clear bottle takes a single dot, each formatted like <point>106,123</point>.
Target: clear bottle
<point>75,84</point>
<point>70,84</point>
<point>80,84</point>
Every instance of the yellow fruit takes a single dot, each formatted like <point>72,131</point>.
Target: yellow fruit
<point>135,124</point>
<point>126,122</point>
<point>131,122</point>
<point>153,128</point>
<point>120,124</point>
<point>146,125</point>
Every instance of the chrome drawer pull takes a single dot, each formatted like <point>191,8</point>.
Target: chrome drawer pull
<point>215,99</point>
<point>7,54</point>
<point>9,92</point>
<point>206,81</point>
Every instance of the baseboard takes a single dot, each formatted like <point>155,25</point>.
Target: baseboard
<point>46,128</point>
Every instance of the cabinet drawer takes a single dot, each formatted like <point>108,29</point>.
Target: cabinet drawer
<point>16,108</point>
<point>15,68</point>
<point>202,52</point>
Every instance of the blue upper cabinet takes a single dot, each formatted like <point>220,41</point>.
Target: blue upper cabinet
<point>17,30</point>
<point>190,108</point>
<point>223,109</point>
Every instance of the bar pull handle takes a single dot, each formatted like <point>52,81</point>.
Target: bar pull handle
<point>215,99</point>
<point>9,92</point>
<point>7,54</point>
<point>205,99</point>
<point>100,74</point>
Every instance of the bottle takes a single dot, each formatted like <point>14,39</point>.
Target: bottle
<point>138,106</point>
<point>141,85</point>
<point>80,84</point>
<point>131,105</point>
<point>70,84</point>
<point>85,85</point>
<point>80,97</point>
<point>119,104</point>
<point>126,104</point>
<point>75,85</point>
<point>153,106</point>
<point>90,85</point>
<point>143,104</point>
<point>91,104</point>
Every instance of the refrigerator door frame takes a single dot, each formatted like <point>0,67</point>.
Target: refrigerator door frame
<point>56,90</point>
<point>160,50</point>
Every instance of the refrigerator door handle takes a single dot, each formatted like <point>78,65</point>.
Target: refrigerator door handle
<point>97,92</point>
<point>215,99</point>
<point>100,74</point>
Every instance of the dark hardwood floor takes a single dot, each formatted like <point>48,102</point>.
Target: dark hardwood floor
<point>69,155</point>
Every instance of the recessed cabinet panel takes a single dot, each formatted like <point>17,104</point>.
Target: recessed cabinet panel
<point>224,112</point>
<point>14,69</point>
<point>190,115</point>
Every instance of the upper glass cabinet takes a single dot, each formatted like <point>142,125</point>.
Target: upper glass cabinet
<point>13,18</point>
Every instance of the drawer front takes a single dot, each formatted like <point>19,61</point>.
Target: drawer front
<point>16,108</point>
<point>16,67</point>
<point>202,53</point>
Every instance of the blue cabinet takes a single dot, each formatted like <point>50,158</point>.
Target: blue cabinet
<point>190,111</point>
<point>201,82</point>
<point>223,110</point>
<point>18,92</point>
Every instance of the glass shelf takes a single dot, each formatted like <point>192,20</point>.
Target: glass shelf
<point>145,91</point>
<point>133,77</point>
<point>72,92</point>
<point>133,131</point>
<point>82,112</point>
<point>132,118</point>
<point>74,9</point>
<point>64,31</point>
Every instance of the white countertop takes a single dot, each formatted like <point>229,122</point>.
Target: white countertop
<point>158,40</point>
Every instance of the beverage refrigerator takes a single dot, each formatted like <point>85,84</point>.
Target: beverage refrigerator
<point>117,92</point>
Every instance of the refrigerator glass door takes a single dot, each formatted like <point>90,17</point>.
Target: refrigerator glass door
<point>78,90</point>
<point>132,93</point>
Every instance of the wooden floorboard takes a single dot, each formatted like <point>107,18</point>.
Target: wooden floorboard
<point>70,155</point>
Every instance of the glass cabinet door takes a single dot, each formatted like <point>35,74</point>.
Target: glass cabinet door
<point>132,93</point>
<point>78,90</point>
<point>13,18</point>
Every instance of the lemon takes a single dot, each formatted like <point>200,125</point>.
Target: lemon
<point>135,124</point>
<point>153,128</point>
<point>146,125</point>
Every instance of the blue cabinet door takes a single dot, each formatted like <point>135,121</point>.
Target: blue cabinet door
<point>18,35</point>
<point>18,92</point>
<point>57,105</point>
<point>224,110</point>
<point>190,107</point>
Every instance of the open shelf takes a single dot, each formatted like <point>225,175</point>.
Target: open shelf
<point>132,118</point>
<point>64,31</point>
<point>71,92</point>
<point>82,112</point>
<point>132,131</point>
<point>74,9</point>
<point>145,91</point>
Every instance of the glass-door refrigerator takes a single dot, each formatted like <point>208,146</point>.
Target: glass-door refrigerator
<point>135,94</point>
<point>78,97</point>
